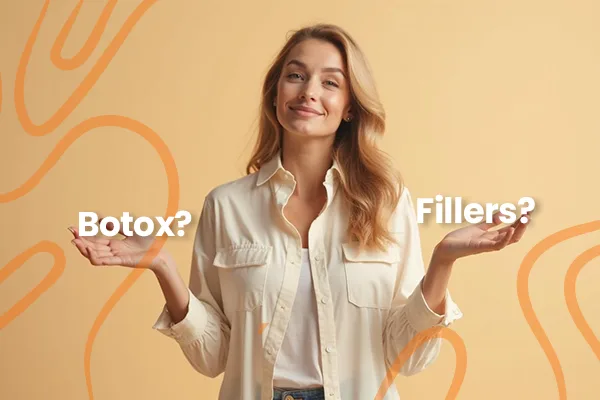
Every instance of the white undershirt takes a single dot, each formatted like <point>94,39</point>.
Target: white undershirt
<point>298,364</point>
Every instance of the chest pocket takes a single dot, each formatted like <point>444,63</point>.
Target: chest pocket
<point>243,271</point>
<point>370,275</point>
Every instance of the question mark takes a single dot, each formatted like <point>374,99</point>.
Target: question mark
<point>186,220</point>
<point>530,206</point>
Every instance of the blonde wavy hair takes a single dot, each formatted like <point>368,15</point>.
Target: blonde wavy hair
<point>369,182</point>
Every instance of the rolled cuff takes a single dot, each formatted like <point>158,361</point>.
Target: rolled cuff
<point>190,328</point>
<point>421,316</point>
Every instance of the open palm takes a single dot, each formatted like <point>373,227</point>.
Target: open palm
<point>478,238</point>
<point>127,252</point>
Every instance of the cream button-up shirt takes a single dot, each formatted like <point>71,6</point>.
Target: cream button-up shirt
<point>244,275</point>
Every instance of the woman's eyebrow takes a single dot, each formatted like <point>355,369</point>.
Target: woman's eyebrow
<point>326,69</point>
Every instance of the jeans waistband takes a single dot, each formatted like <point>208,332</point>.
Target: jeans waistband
<point>298,394</point>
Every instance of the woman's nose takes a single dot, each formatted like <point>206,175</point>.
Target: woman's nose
<point>310,90</point>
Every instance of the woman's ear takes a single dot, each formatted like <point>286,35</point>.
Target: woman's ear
<point>348,115</point>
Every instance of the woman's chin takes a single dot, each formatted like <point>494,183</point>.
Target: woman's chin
<point>308,133</point>
<point>301,128</point>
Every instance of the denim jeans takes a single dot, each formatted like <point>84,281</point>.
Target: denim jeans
<point>298,394</point>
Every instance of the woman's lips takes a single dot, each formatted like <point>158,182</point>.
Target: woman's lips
<point>305,111</point>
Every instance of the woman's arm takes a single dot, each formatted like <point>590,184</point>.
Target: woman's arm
<point>420,302</point>
<point>192,314</point>
<point>173,287</point>
<point>435,283</point>
<point>423,300</point>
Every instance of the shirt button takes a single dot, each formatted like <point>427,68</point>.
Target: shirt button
<point>317,258</point>
<point>282,307</point>
<point>328,349</point>
<point>269,351</point>
<point>324,300</point>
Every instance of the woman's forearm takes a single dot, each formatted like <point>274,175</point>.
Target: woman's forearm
<point>173,287</point>
<point>435,283</point>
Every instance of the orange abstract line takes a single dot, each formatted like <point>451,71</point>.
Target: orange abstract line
<point>49,280</point>
<point>172,203</point>
<point>91,43</point>
<point>571,297</point>
<point>86,84</point>
<point>101,121</point>
<point>92,123</point>
<point>525,301</point>
<point>460,369</point>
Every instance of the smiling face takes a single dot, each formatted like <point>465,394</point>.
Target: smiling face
<point>313,93</point>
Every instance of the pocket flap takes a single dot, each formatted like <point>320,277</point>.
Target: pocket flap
<point>389,256</point>
<point>234,257</point>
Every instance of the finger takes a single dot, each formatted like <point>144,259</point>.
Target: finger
<point>493,235</point>
<point>517,224</point>
<point>100,241</point>
<point>95,257</point>
<point>93,243</point>
<point>103,252</point>
<point>495,221</point>
<point>505,229</point>
<point>96,244</point>
<point>92,239</point>
<point>107,259</point>
<point>520,231</point>
<point>504,239</point>
<point>74,231</point>
<point>81,247</point>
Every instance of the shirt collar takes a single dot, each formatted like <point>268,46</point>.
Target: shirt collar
<point>271,167</point>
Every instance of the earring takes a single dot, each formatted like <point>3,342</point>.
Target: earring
<point>348,119</point>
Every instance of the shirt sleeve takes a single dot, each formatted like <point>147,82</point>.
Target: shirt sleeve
<point>410,313</point>
<point>203,334</point>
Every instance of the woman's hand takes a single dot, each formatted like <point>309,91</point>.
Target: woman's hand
<point>126,252</point>
<point>478,238</point>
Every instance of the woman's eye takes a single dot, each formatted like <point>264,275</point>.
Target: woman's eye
<point>332,83</point>
<point>294,75</point>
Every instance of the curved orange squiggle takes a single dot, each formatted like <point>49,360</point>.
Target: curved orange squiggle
<point>84,87</point>
<point>65,110</point>
<point>571,297</point>
<point>523,293</point>
<point>172,204</point>
<point>92,41</point>
<point>431,333</point>
<point>49,280</point>
<point>91,123</point>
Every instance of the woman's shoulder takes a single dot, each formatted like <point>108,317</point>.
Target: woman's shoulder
<point>235,189</point>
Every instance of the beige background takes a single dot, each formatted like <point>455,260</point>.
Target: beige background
<point>487,100</point>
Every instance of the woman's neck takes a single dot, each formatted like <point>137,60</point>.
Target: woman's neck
<point>308,162</point>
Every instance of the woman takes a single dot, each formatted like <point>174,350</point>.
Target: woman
<point>307,276</point>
